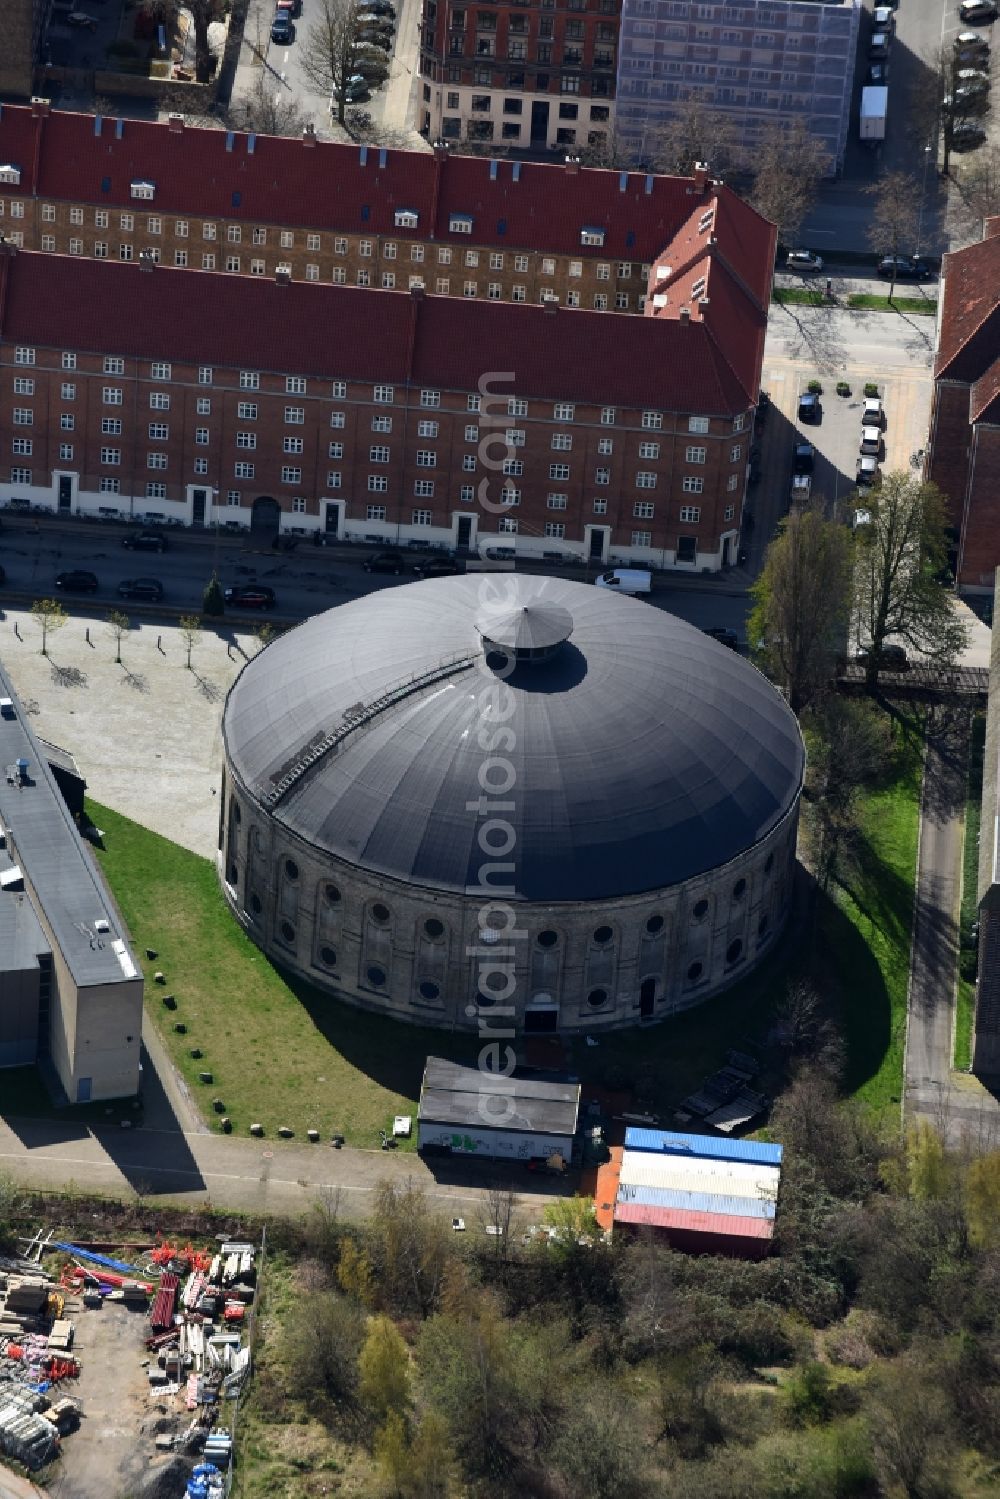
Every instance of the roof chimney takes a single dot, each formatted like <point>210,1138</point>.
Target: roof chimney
<point>440,149</point>
<point>175,122</point>
<point>146,260</point>
<point>282,275</point>
<point>309,134</point>
<point>39,108</point>
<point>551,306</point>
<point>684,314</point>
<point>417,292</point>
<point>700,176</point>
<point>573,164</point>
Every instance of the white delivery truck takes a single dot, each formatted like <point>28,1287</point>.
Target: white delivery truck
<point>625,580</point>
<point>871,121</point>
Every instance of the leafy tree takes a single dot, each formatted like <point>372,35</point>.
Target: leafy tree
<point>687,1402</point>
<point>573,1219</point>
<point>190,628</point>
<point>354,1273</point>
<point>264,633</point>
<point>212,601</point>
<point>911,1426</point>
<point>266,109</point>
<point>898,556</point>
<point>787,168</point>
<point>982,1200</point>
<point>802,604</point>
<point>927,1168</point>
<point>598,1449</point>
<point>383,1370</point>
<point>417,1467</point>
<point>118,627</point>
<point>893,227</point>
<point>409,1247</point>
<point>49,615</point>
<point>323,1338</point>
<point>329,53</point>
<point>850,745</point>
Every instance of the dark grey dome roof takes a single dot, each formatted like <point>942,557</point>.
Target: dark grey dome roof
<point>642,751</point>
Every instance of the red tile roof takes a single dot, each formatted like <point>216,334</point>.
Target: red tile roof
<point>329,185</point>
<point>969,337</point>
<point>984,397</point>
<point>365,334</point>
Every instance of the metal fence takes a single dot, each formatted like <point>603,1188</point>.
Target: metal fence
<point>958,680</point>
<point>252,1339</point>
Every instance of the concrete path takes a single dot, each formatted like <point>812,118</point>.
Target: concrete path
<point>956,1103</point>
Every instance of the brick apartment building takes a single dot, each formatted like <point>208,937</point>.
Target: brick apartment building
<point>517,73</point>
<point>23,24</point>
<point>341,214</point>
<point>136,389</point>
<point>963,456</point>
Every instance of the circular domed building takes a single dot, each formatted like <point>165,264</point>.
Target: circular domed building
<point>509,796</point>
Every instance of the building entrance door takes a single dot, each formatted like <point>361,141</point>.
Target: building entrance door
<point>463,533</point>
<point>647,995</point>
<point>199,499</point>
<point>332,523</point>
<point>265,518</point>
<point>597,535</point>
<point>65,494</point>
<point>539,122</point>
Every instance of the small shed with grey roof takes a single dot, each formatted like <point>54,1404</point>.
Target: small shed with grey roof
<point>482,1112</point>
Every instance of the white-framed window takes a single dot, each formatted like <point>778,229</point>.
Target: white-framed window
<point>554,528</point>
<point>695,423</point>
<point>154,225</point>
<point>739,422</point>
<point>69,361</point>
<point>736,453</point>
<point>519,293</point>
<point>643,509</point>
<point>563,411</point>
<point>159,371</point>
<point>206,375</point>
<point>494,291</point>
<point>507,525</point>
<point>24,356</point>
<point>201,465</point>
<point>517,407</point>
<point>111,426</point>
<point>233,263</point>
<point>426,458</point>
<point>444,255</point>
<point>338,419</point>
<point>572,299</point>
<point>76,247</point>
<point>510,495</point>
<point>67,421</point>
<point>472,434</point>
<point>649,450</point>
<point>558,470</point>
<point>600,301</point>
<point>520,263</point>
<point>21,447</point>
<point>645,480</point>
<point>602,476</point>
<point>691,485</point>
<point>652,420</point>
<point>729,512</point>
<point>68,391</point>
<point>48,242</point>
<point>576,268</point>
<point>428,429</point>
<point>470,288</point>
<point>290,474</point>
<point>293,445</point>
<point>249,380</point>
<point>381,423</point>
<point>548,266</point>
<point>562,442</point>
<point>375,512</point>
<point>156,460</point>
<point>109,486</point>
<point>113,396</point>
<point>201,437</point>
<point>247,411</point>
<point>299,504</point>
<point>156,489</point>
<point>243,470</point>
<point>642,538</point>
<point>159,400</point>
<point>556,501</point>
<point>473,403</point>
<point>423,489</point>
<point>621,301</point>
<point>208,262</point>
<point>335,450</point>
<point>295,416</point>
<point>377,483</point>
<point>295,385</point>
<point>691,513</point>
<point>469,463</point>
<point>472,259</point>
<point>128,221</point>
<point>246,439</point>
<point>378,454</point>
<point>695,455</point>
<point>159,432</point>
<point>180,259</point>
<point>100,218</point>
<point>513,468</point>
<point>383,395</point>
<point>100,249</point>
<point>733,483</point>
<point>181,228</point>
<point>430,398</point>
<point>259,235</point>
<point>605,446</point>
<point>467,495</point>
<point>333,479</point>
<point>234,497</point>
<point>600,507</point>
<point>340,246</point>
<point>111,457</point>
<point>338,390</point>
<point>389,250</point>
<point>234,234</point>
<point>124,252</point>
<point>422,517</point>
<point>76,215</point>
<point>24,386</point>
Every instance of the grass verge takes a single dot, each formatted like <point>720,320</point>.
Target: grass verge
<point>871,303</point>
<point>798,296</point>
<point>970,880</point>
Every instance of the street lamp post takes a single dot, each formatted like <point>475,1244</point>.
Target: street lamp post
<point>923,195</point>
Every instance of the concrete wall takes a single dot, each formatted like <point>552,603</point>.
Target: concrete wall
<point>18,1017</point>
<point>365,938</point>
<point>495,1144</point>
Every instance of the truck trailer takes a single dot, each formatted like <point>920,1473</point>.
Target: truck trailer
<point>871,121</point>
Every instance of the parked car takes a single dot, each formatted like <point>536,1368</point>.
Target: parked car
<point>141,588</point>
<point>878,47</point>
<point>873,412</point>
<point>385,562</point>
<point>803,458</point>
<point>883,18</point>
<point>878,73</point>
<point>250,596</point>
<point>906,267</point>
<point>966,135</point>
<point>809,407</point>
<point>77,580</point>
<point>437,567</point>
<point>357,89</point>
<point>290,7</point>
<point>972,46</point>
<point>974,11</point>
<point>81,19</point>
<point>724,636</point>
<point>871,440</point>
<point>868,475</point>
<point>282,30</point>
<point>890,658</point>
<point>803,260</point>
<point>373,18</point>
<point>381,8</point>
<point>145,541</point>
<point>970,57</point>
<point>373,38</point>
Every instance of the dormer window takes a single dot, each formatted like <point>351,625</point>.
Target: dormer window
<point>144,190</point>
<point>591,236</point>
<point>406,218</point>
<point>10,173</point>
<point>460,223</point>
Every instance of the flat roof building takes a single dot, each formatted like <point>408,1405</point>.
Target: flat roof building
<point>471,1111</point>
<point>70,988</point>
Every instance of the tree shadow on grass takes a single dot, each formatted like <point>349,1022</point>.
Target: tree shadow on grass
<point>68,676</point>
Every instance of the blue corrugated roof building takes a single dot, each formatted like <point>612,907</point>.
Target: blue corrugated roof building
<point>667,1142</point>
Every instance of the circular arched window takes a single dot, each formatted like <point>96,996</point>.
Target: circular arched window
<point>654,924</point>
<point>255,904</point>
<point>548,938</point>
<point>734,951</point>
<point>739,889</point>
<point>762,925</point>
<point>376,975</point>
<point>287,931</point>
<point>328,957</point>
<point>234,874</point>
<point>700,909</point>
<point>434,928</point>
<point>603,935</point>
<point>291,869</point>
<point>380,913</point>
<point>331,894</point>
<point>597,997</point>
<point>769,864</point>
<point>695,972</point>
<point>429,990</point>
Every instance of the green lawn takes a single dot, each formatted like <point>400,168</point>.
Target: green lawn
<point>872,303</point>
<point>798,296</point>
<point>970,880</point>
<point>866,927</point>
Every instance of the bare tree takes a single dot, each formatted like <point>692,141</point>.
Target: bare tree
<point>893,228</point>
<point>50,616</point>
<point>329,52</point>
<point>899,554</point>
<point>190,627</point>
<point>694,134</point>
<point>119,625</point>
<point>498,1216</point>
<point>203,13</point>
<point>979,186</point>
<point>267,108</point>
<point>788,166</point>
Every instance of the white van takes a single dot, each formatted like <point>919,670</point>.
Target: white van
<point>626,580</point>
